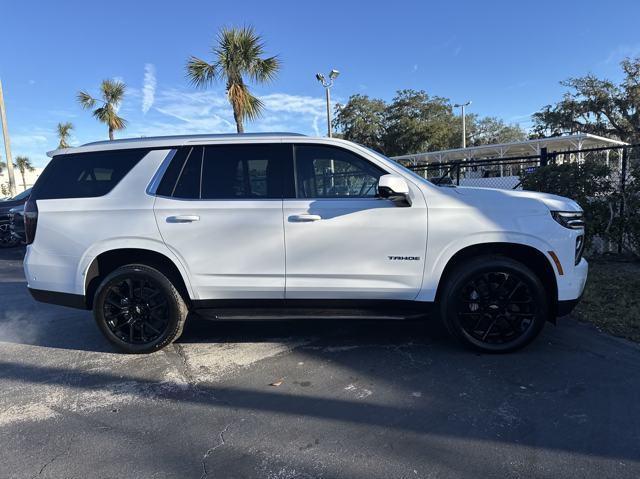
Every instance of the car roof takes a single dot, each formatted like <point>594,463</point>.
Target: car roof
<point>171,141</point>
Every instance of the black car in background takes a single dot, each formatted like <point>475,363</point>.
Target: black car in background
<point>7,240</point>
<point>16,224</point>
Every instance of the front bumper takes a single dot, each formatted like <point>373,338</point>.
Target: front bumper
<point>566,307</point>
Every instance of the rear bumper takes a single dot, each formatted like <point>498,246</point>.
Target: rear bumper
<point>61,299</point>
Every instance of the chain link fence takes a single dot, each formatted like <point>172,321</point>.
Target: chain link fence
<point>604,181</point>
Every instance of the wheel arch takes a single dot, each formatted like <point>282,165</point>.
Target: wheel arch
<point>528,255</point>
<point>110,260</point>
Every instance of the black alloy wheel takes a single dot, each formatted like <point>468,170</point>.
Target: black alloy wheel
<point>139,310</point>
<point>494,304</point>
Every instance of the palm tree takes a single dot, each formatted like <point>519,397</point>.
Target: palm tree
<point>238,53</point>
<point>64,131</point>
<point>23,164</point>
<point>112,92</point>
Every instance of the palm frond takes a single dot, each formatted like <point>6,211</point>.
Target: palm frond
<point>244,103</point>
<point>200,73</point>
<point>112,91</point>
<point>23,163</point>
<point>117,122</point>
<point>264,70</point>
<point>64,131</point>
<point>86,100</point>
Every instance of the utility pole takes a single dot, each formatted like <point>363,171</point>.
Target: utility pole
<point>464,122</point>
<point>327,84</point>
<point>7,144</point>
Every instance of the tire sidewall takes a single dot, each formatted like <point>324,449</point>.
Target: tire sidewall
<point>463,275</point>
<point>174,325</point>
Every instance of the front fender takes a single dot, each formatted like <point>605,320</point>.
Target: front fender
<point>437,258</point>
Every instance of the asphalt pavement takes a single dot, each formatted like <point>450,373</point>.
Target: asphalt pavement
<point>308,399</point>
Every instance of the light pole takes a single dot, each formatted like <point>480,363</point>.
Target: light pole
<point>7,144</point>
<point>327,84</point>
<point>464,123</point>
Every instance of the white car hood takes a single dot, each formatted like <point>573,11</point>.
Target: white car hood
<point>553,202</point>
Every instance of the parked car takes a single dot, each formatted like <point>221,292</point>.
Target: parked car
<point>6,239</point>
<point>16,224</point>
<point>282,225</point>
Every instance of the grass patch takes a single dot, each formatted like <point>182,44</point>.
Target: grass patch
<point>611,298</point>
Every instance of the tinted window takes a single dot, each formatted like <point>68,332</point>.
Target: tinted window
<point>188,184</point>
<point>330,172</point>
<point>85,175</point>
<point>243,171</point>
<point>168,182</point>
<point>230,172</point>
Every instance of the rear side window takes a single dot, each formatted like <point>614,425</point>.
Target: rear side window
<point>228,172</point>
<point>85,175</point>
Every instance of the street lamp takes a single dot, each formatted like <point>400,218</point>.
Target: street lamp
<point>327,84</point>
<point>464,124</point>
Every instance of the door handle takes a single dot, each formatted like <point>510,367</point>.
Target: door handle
<point>183,219</point>
<point>304,218</point>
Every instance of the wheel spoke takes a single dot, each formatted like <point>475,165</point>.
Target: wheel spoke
<point>496,307</point>
<point>136,310</point>
<point>486,333</point>
<point>152,328</point>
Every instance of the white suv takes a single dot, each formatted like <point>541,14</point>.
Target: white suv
<point>143,231</point>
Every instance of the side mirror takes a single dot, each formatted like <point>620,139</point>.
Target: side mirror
<point>394,188</point>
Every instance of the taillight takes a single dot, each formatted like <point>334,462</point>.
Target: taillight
<point>30,220</point>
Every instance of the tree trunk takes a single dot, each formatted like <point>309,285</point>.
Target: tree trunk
<point>238,118</point>
<point>110,133</point>
<point>24,182</point>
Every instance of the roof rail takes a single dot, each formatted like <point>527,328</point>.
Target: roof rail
<point>192,137</point>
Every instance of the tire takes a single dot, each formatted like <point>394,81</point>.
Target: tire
<point>494,304</point>
<point>139,310</point>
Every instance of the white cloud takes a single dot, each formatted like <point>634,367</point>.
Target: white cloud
<point>186,112</point>
<point>149,87</point>
<point>415,67</point>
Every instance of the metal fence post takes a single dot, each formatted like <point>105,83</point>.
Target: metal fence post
<point>458,174</point>
<point>623,179</point>
<point>544,157</point>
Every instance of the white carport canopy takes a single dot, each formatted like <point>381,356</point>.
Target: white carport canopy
<point>578,141</point>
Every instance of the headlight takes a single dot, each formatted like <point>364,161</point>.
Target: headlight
<point>569,219</point>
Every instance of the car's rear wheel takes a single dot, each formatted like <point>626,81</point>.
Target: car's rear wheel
<point>139,310</point>
<point>494,304</point>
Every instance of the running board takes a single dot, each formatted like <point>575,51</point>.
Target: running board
<point>270,314</point>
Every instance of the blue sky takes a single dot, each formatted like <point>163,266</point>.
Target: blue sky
<point>505,56</point>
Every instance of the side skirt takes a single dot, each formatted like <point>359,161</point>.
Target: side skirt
<point>285,309</point>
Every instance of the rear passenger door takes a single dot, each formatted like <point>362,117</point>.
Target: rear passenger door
<point>219,208</point>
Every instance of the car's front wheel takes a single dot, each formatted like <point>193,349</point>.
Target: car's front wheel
<point>138,309</point>
<point>494,304</point>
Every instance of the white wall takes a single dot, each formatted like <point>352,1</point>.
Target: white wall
<point>29,176</point>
